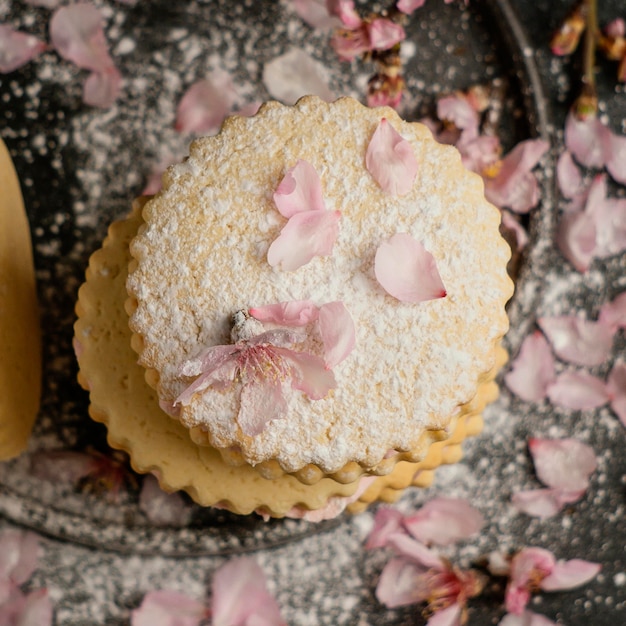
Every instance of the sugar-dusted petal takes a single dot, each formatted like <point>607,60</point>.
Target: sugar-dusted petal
<point>306,235</point>
<point>337,332</point>
<point>309,373</point>
<point>613,313</point>
<point>240,596</point>
<point>160,507</point>
<point>17,48</point>
<point>567,575</point>
<point>450,616</point>
<point>578,340</point>
<point>77,35</point>
<point>290,313</point>
<point>294,74</point>
<point>544,503</point>
<point>402,582</point>
<point>586,140</point>
<point>576,238</point>
<point>62,466</point>
<point>36,610</point>
<point>408,6</point>
<point>261,401</point>
<point>407,271</point>
<point>615,154</point>
<point>527,618</point>
<point>568,175</point>
<point>444,521</point>
<point>345,11</point>
<point>300,190</point>
<point>206,103</point>
<point>315,14</point>
<point>407,547</point>
<point>390,160</point>
<point>384,34</point>
<point>563,463</point>
<point>168,608</point>
<point>578,390</point>
<point>616,387</point>
<point>533,369</point>
<point>387,522</point>
<point>19,552</point>
<point>101,89</point>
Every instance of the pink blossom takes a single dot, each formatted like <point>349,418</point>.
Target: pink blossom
<point>616,388</point>
<point>408,6</point>
<point>161,508</point>
<point>613,313</point>
<point>544,503</point>
<point>315,14</point>
<point>577,340</point>
<point>290,313</point>
<point>17,48</point>
<point>387,522</point>
<point>168,608</point>
<point>18,555</point>
<point>407,271</point>
<point>458,110</point>
<point>261,362</point>
<point>101,89</point>
<point>568,175</point>
<point>377,34</point>
<point>384,34</point>
<point>205,105</point>
<point>390,160</point>
<point>311,230</point>
<point>594,145</point>
<point>153,181</point>
<point>515,186</point>
<point>579,391</point>
<point>527,618</point>
<point>534,569</point>
<point>345,11</point>
<point>512,224</point>
<point>27,609</point>
<point>533,370</point>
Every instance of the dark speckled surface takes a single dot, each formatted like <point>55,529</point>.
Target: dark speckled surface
<point>79,169</point>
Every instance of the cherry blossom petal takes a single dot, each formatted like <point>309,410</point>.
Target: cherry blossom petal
<point>568,175</point>
<point>168,608</point>
<point>401,582</point>
<point>533,370</point>
<point>613,314</point>
<point>577,340</point>
<point>384,34</point>
<point>101,89</point>
<point>579,391</point>
<point>563,463</point>
<point>387,522</point>
<point>511,223</point>
<point>161,508</point>
<point>295,74</point>
<point>77,35</point>
<point>310,374</point>
<point>291,313</point>
<point>408,6</point>
<point>450,616</point>
<point>240,595</point>
<point>337,332</point>
<point>586,140</point>
<point>407,271</point>
<point>515,187</point>
<point>527,618</point>
<point>17,48</point>
<point>390,160</point>
<point>345,11</point>
<point>19,551</point>
<point>567,575</point>
<point>544,503</point>
<point>205,105</point>
<point>315,14</point>
<point>460,112</point>
<point>444,521</point>
<point>153,181</point>
<point>63,466</point>
<point>609,217</point>
<point>526,565</point>
<point>36,610</point>
<point>300,190</point>
<point>409,548</point>
<point>616,387</point>
<point>478,153</point>
<point>349,44</point>
<point>260,402</point>
<point>615,155</point>
<point>576,238</point>
<point>306,235</point>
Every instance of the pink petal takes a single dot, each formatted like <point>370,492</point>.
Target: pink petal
<point>510,223</point>
<point>299,191</point>
<point>161,508</point>
<point>408,6</point>
<point>444,521</point>
<point>384,34</point>
<point>390,160</point>
<point>345,11</point>
<point>309,373</point>
<point>478,153</point>
<point>337,332</point>
<point>153,182</point>
<point>568,175</point>
<point>460,112</point>
<point>616,28</point>
<point>609,217</point>
<point>544,503</point>
<point>63,466</point>
<point>19,552</point>
<point>450,616</point>
<point>239,595</point>
<point>17,48</point>
<point>515,187</point>
<point>76,34</point>
<point>576,238</point>
<point>615,154</point>
<point>306,235</point>
<point>350,44</point>
<point>407,271</point>
<point>577,340</point>
<point>613,314</point>
<point>567,575</point>
<point>291,313</point>
<point>37,609</point>
<point>579,391</point>
<point>386,523</point>
<point>616,387</point>
<point>205,105</point>
<point>533,369</point>
<point>527,618</point>
<point>526,565</point>
<point>260,402</point>
<point>168,608</point>
<point>402,582</point>
<point>102,89</point>
<point>409,548</point>
<point>315,14</point>
<point>563,463</point>
<point>586,140</point>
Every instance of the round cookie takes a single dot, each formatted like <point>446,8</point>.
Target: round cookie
<point>203,255</point>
